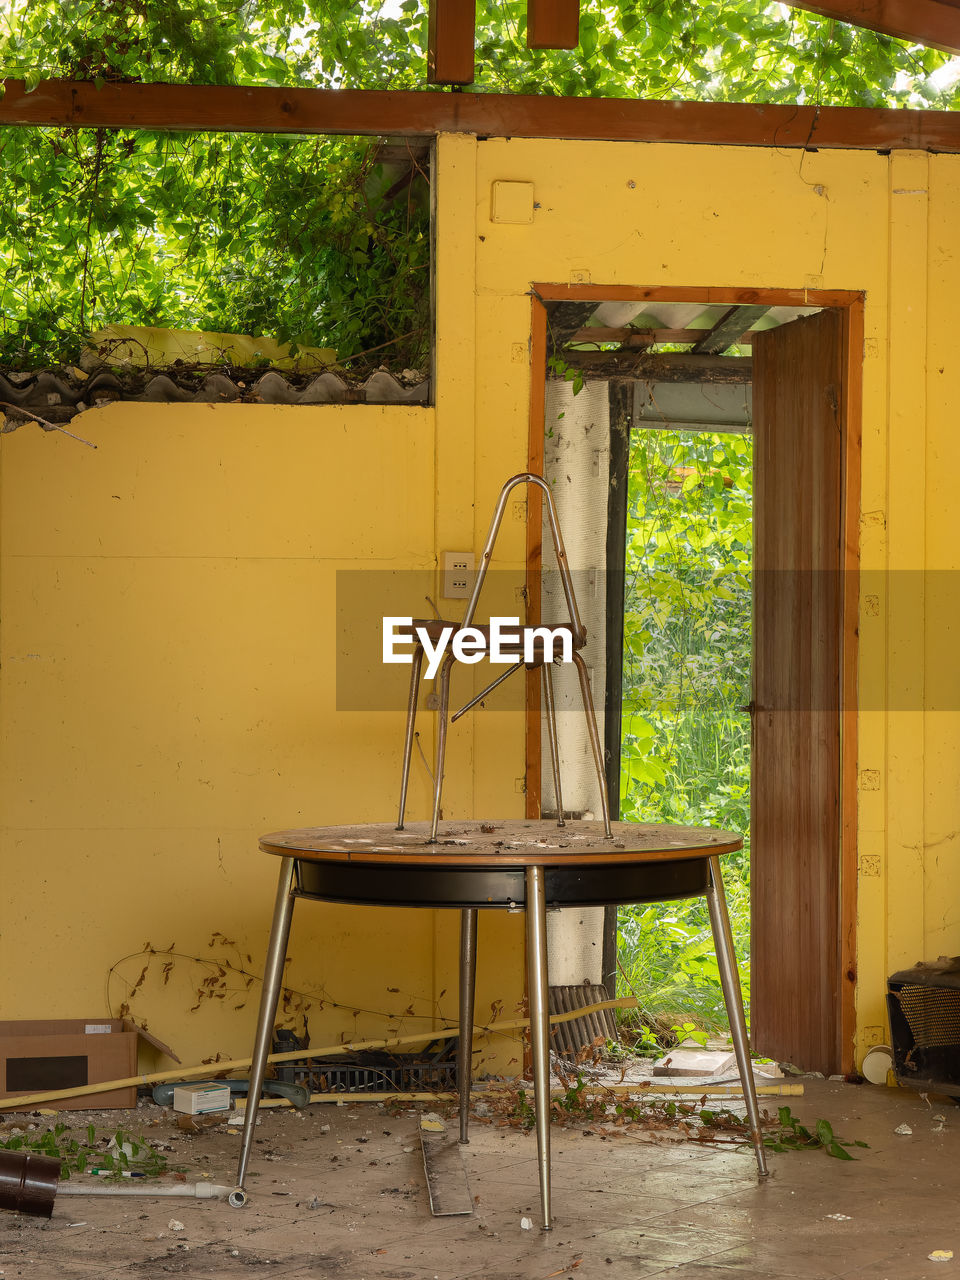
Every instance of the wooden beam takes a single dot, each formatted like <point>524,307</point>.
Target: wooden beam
<point>451,36</point>
<point>706,295</point>
<point>539,350</point>
<point>728,329</point>
<point>667,367</point>
<point>931,22</point>
<point>553,24</point>
<point>243,109</point>
<point>645,337</point>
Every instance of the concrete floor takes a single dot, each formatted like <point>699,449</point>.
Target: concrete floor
<point>350,1201</point>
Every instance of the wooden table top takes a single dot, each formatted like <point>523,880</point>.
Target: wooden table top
<point>508,842</point>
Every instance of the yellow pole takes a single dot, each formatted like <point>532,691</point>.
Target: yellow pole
<point>27,1102</point>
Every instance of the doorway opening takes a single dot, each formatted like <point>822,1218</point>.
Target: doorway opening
<point>684,752</point>
<point>686,397</point>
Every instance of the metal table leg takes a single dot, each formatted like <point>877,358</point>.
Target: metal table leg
<point>539,1026</point>
<point>733,998</point>
<point>468,984</point>
<point>270,994</point>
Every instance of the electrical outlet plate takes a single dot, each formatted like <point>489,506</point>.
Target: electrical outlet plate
<point>458,572</point>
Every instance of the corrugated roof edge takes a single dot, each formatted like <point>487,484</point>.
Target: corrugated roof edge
<point>60,395</point>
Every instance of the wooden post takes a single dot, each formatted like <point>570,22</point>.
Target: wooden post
<point>553,24</point>
<point>450,41</point>
<point>932,22</point>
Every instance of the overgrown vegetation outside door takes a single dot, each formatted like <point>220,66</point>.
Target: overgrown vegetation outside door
<point>685,751</point>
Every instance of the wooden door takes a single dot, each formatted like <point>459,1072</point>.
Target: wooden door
<point>795,805</point>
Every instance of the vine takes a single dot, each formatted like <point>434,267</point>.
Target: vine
<point>226,976</point>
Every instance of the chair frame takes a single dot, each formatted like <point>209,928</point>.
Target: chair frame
<point>578,636</point>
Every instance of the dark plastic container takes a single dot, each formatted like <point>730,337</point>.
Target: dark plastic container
<point>28,1182</point>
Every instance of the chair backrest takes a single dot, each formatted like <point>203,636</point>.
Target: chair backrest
<point>527,477</point>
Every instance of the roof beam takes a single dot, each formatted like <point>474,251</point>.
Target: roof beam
<point>553,24</point>
<point>629,337</point>
<point>451,36</point>
<point>243,109</point>
<point>728,329</point>
<point>661,367</point>
<point>932,22</point>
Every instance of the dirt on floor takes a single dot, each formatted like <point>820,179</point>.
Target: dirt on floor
<point>340,1191</point>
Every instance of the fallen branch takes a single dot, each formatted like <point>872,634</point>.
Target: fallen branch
<point>45,423</point>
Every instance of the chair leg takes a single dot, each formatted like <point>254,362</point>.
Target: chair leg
<point>468,986</point>
<point>537,990</point>
<point>441,745</point>
<point>411,722</point>
<point>733,998</point>
<point>594,733</point>
<point>269,996</point>
<point>546,673</point>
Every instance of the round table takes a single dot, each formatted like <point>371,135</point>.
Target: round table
<point>507,865</point>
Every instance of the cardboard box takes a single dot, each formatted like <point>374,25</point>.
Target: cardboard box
<point>199,1099</point>
<point>64,1053</point>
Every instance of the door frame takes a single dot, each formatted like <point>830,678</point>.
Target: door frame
<point>850,304</point>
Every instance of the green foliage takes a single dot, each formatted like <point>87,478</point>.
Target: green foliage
<point>300,239</point>
<point>120,1154</point>
<point>584,1103</point>
<point>558,367</point>
<point>289,238</point>
<point>685,753</point>
<point>640,1043</point>
<point>689,1031</point>
<point>793,1136</point>
<point>744,50</point>
<point>523,1111</point>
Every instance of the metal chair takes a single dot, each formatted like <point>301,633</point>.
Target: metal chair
<point>528,639</point>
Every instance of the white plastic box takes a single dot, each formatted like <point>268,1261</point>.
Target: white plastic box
<point>198,1099</point>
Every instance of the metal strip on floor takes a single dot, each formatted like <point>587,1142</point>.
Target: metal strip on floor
<point>446,1175</point>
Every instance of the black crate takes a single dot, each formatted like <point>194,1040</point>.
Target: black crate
<point>433,1069</point>
<point>924,1008</point>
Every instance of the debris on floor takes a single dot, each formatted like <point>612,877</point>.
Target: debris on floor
<point>201,1099</point>
<point>444,1171</point>
<point>692,1059</point>
<point>330,1204</point>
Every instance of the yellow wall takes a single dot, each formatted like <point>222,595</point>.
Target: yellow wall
<point>665,216</point>
<point>169,648</point>
<point>168,600</point>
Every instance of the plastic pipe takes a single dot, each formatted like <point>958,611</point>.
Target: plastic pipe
<point>194,1191</point>
<point>32,1100</point>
